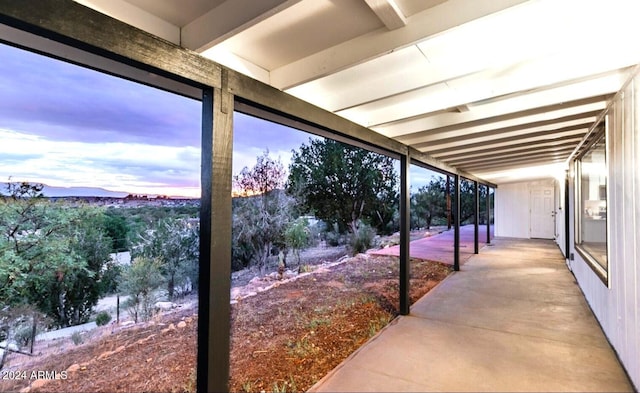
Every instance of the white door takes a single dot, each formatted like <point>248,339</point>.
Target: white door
<point>542,213</point>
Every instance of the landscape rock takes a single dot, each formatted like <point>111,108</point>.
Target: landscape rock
<point>73,368</point>
<point>12,347</point>
<point>165,306</point>
<point>182,325</point>
<point>254,280</point>
<point>38,383</point>
<point>105,355</point>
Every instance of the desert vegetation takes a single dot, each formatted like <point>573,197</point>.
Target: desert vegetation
<point>56,257</point>
<point>55,260</point>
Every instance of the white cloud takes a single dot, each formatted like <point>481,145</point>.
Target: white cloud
<point>131,167</point>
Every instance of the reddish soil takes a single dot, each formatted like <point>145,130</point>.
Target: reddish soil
<point>283,339</point>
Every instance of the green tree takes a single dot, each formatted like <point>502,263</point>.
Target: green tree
<point>429,203</point>
<point>263,211</point>
<point>173,242</point>
<point>344,184</point>
<point>77,290</point>
<point>51,255</point>
<point>467,201</point>
<point>139,280</point>
<point>117,228</point>
<point>297,236</point>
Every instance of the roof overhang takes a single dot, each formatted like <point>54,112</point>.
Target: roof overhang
<point>481,86</point>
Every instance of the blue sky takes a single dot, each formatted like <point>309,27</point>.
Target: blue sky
<point>65,125</point>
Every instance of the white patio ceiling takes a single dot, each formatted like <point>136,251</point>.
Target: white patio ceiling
<point>483,85</point>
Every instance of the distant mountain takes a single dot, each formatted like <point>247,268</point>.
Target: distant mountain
<point>51,191</point>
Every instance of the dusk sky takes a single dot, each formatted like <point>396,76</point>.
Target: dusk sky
<point>68,126</point>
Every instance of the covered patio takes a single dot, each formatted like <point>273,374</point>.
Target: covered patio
<point>491,91</point>
<point>512,319</point>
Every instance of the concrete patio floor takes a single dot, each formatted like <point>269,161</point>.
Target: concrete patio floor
<point>440,247</point>
<point>513,319</point>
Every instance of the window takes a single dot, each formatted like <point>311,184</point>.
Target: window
<point>110,247</point>
<point>591,198</point>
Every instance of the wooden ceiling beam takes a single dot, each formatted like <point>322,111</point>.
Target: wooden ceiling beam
<point>511,108</point>
<point>462,151</point>
<point>545,112</point>
<point>427,23</point>
<point>509,160</point>
<point>507,155</point>
<point>228,19</point>
<point>388,12</point>
<point>135,16</point>
<point>514,165</point>
<point>539,125</point>
<point>472,141</point>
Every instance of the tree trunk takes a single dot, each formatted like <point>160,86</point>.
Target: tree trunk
<point>354,226</point>
<point>263,259</point>
<point>171,286</point>
<point>61,314</point>
<point>33,331</point>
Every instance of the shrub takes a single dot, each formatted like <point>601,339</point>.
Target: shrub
<point>333,236</point>
<point>142,308</point>
<point>23,336</point>
<point>297,236</point>
<point>76,337</point>
<point>103,318</point>
<point>362,239</point>
<point>139,280</point>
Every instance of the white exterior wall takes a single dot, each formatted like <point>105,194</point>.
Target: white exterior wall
<point>512,216</point>
<point>617,305</point>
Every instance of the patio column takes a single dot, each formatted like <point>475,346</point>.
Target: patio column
<point>456,223</point>
<point>476,217</point>
<point>405,228</point>
<point>214,310</point>
<point>448,198</point>
<point>488,215</point>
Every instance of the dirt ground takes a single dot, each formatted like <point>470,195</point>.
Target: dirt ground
<point>283,339</point>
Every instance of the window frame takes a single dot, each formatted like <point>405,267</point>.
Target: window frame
<point>600,134</point>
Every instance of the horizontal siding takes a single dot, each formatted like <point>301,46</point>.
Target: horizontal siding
<point>617,305</point>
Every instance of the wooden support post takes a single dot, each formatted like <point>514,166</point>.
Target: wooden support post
<point>448,197</point>
<point>214,311</point>
<point>488,203</point>
<point>405,228</point>
<point>476,217</point>
<point>456,224</point>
